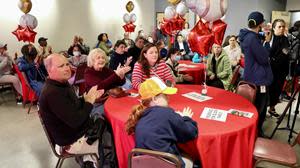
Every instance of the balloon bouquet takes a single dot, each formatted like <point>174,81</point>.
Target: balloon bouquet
<point>129,19</point>
<point>173,21</point>
<point>27,23</point>
<point>209,29</point>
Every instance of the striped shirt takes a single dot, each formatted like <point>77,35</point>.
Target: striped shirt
<point>160,70</point>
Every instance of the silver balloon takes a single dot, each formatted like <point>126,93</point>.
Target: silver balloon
<point>28,20</point>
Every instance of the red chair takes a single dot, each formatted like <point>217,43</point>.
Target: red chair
<point>275,152</point>
<point>235,77</point>
<point>247,90</point>
<point>79,78</point>
<point>144,158</point>
<point>28,93</point>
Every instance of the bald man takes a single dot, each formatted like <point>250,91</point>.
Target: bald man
<point>66,116</point>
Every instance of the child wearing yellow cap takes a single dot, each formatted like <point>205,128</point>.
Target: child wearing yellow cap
<point>157,126</point>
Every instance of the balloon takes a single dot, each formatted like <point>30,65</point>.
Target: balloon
<point>29,34</point>
<point>25,34</point>
<point>18,33</point>
<point>129,6</point>
<point>191,4</point>
<point>126,18</point>
<point>210,10</point>
<point>200,38</point>
<point>181,9</point>
<point>129,27</point>
<point>25,6</point>
<point>174,2</point>
<point>132,17</point>
<point>170,12</point>
<point>166,28</point>
<point>218,30</point>
<point>28,20</point>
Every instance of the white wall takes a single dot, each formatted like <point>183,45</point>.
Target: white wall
<point>293,5</point>
<point>60,20</point>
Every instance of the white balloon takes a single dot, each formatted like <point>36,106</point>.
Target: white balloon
<point>191,4</point>
<point>217,9</point>
<point>170,12</point>
<point>28,20</point>
<point>132,17</point>
<point>181,9</point>
<point>126,18</point>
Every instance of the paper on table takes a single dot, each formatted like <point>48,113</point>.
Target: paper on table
<point>240,113</point>
<point>196,96</point>
<point>214,114</point>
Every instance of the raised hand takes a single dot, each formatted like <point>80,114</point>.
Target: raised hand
<point>93,94</point>
<point>128,61</point>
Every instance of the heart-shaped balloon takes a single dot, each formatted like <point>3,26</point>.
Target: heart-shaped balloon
<point>218,29</point>
<point>25,6</point>
<point>201,38</point>
<point>129,6</point>
<point>174,2</point>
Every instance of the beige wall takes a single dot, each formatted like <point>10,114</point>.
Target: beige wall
<point>60,20</point>
<point>293,5</point>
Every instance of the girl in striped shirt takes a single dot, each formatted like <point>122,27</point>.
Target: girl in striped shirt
<point>150,64</point>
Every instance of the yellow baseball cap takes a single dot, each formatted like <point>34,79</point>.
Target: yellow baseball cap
<point>154,86</point>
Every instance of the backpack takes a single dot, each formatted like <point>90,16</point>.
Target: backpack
<point>102,131</point>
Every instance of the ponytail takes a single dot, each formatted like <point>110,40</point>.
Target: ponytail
<point>136,115</point>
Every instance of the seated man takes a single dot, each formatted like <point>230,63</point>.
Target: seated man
<point>66,116</point>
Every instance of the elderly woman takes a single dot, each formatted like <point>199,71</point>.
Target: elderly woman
<point>149,65</point>
<point>98,74</point>
<point>219,68</point>
<point>6,73</point>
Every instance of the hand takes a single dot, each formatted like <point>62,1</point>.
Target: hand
<point>128,61</point>
<point>212,77</point>
<point>187,111</point>
<point>50,50</point>
<point>44,51</point>
<point>93,94</point>
<point>187,77</point>
<point>268,36</point>
<point>121,71</point>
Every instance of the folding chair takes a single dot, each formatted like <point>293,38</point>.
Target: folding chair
<point>144,158</point>
<point>276,152</point>
<point>79,78</point>
<point>234,78</point>
<point>4,87</point>
<point>64,154</point>
<point>247,90</point>
<point>28,93</point>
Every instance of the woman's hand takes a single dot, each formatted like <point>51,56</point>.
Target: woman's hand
<point>187,112</point>
<point>128,61</point>
<point>122,70</point>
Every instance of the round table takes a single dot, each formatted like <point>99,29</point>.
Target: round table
<point>227,144</point>
<point>196,70</point>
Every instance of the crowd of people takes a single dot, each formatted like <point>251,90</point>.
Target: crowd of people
<point>149,65</point>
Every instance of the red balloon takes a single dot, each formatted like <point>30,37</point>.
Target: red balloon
<point>29,34</point>
<point>218,29</point>
<point>129,27</point>
<point>166,28</point>
<point>18,33</point>
<point>201,38</point>
<point>25,34</point>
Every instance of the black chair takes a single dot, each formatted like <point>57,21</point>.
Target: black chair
<point>64,154</point>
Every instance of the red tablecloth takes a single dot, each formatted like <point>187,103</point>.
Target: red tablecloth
<point>219,144</point>
<point>196,70</point>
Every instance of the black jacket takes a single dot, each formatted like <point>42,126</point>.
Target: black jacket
<point>66,116</point>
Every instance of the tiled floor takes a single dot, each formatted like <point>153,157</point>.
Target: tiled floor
<point>23,143</point>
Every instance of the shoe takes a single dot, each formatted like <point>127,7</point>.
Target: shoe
<point>273,113</point>
<point>19,101</point>
<point>88,164</point>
